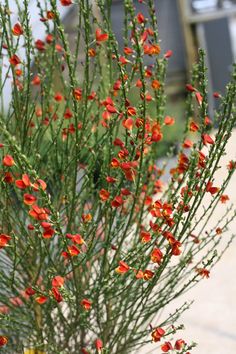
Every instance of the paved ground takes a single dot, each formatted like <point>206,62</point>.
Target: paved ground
<point>211,320</point>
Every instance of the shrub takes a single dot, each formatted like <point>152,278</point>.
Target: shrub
<point>96,237</point>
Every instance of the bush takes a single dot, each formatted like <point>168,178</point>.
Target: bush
<point>95,238</point>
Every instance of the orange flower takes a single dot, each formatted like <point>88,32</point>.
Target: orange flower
<point>8,161</point>
<point>123,267</point>
<point>92,52</point>
<point>58,281</point>
<point>156,84</point>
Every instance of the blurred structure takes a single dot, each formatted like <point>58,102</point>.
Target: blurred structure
<point>184,26</point>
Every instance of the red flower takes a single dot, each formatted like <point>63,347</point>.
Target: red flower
<point>48,233</point>
<point>38,213</point>
<point>86,304</point>
<point>3,341</point>
<point>36,81</point>
<point>190,88</point>
<point>145,236</point>
<point>104,194</point>
<point>41,299</point>
<point>29,199</point>
<point>77,94</point>
<point>156,255</point>
<point>140,18</point>
<point>193,127</point>
<point>179,344</point>
<point>40,45</point>
<point>17,30</point>
<point>166,347</point>
<point>203,272</point>
<point>4,239</point>
<point>123,267</point>
<point>169,120</point>
<point>57,295</point>
<point>8,161</point>
<point>101,37</point>
<point>127,51</point>
<point>58,281</point>
<point>73,251</point>
<point>224,198</point>
<point>117,202</point>
<point>207,139</point>
<point>157,334</point>
<point>66,2</point>
<point>98,344</point>
<point>199,98</point>
<point>14,60</point>
<point>147,274</point>
<point>168,54</point>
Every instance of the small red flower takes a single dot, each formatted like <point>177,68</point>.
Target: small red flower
<point>207,139</point>
<point>169,120</point>
<point>104,195</point>
<point>86,304</point>
<point>40,45</point>
<point>8,161</point>
<point>4,239</point>
<point>157,334</point>
<point>66,2</point>
<point>168,54</point>
<point>166,347</point>
<point>14,60</point>
<point>98,344</point>
<point>17,30</point>
<point>3,341</point>
<point>77,94</point>
<point>199,98</point>
<point>123,267</point>
<point>41,299</point>
<point>29,199</point>
<point>57,295</point>
<point>73,251</point>
<point>147,274</point>
<point>140,18</point>
<point>117,202</point>
<point>203,272</point>
<point>101,37</point>
<point>156,255</point>
<point>58,281</point>
<point>224,198</point>
<point>179,344</point>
